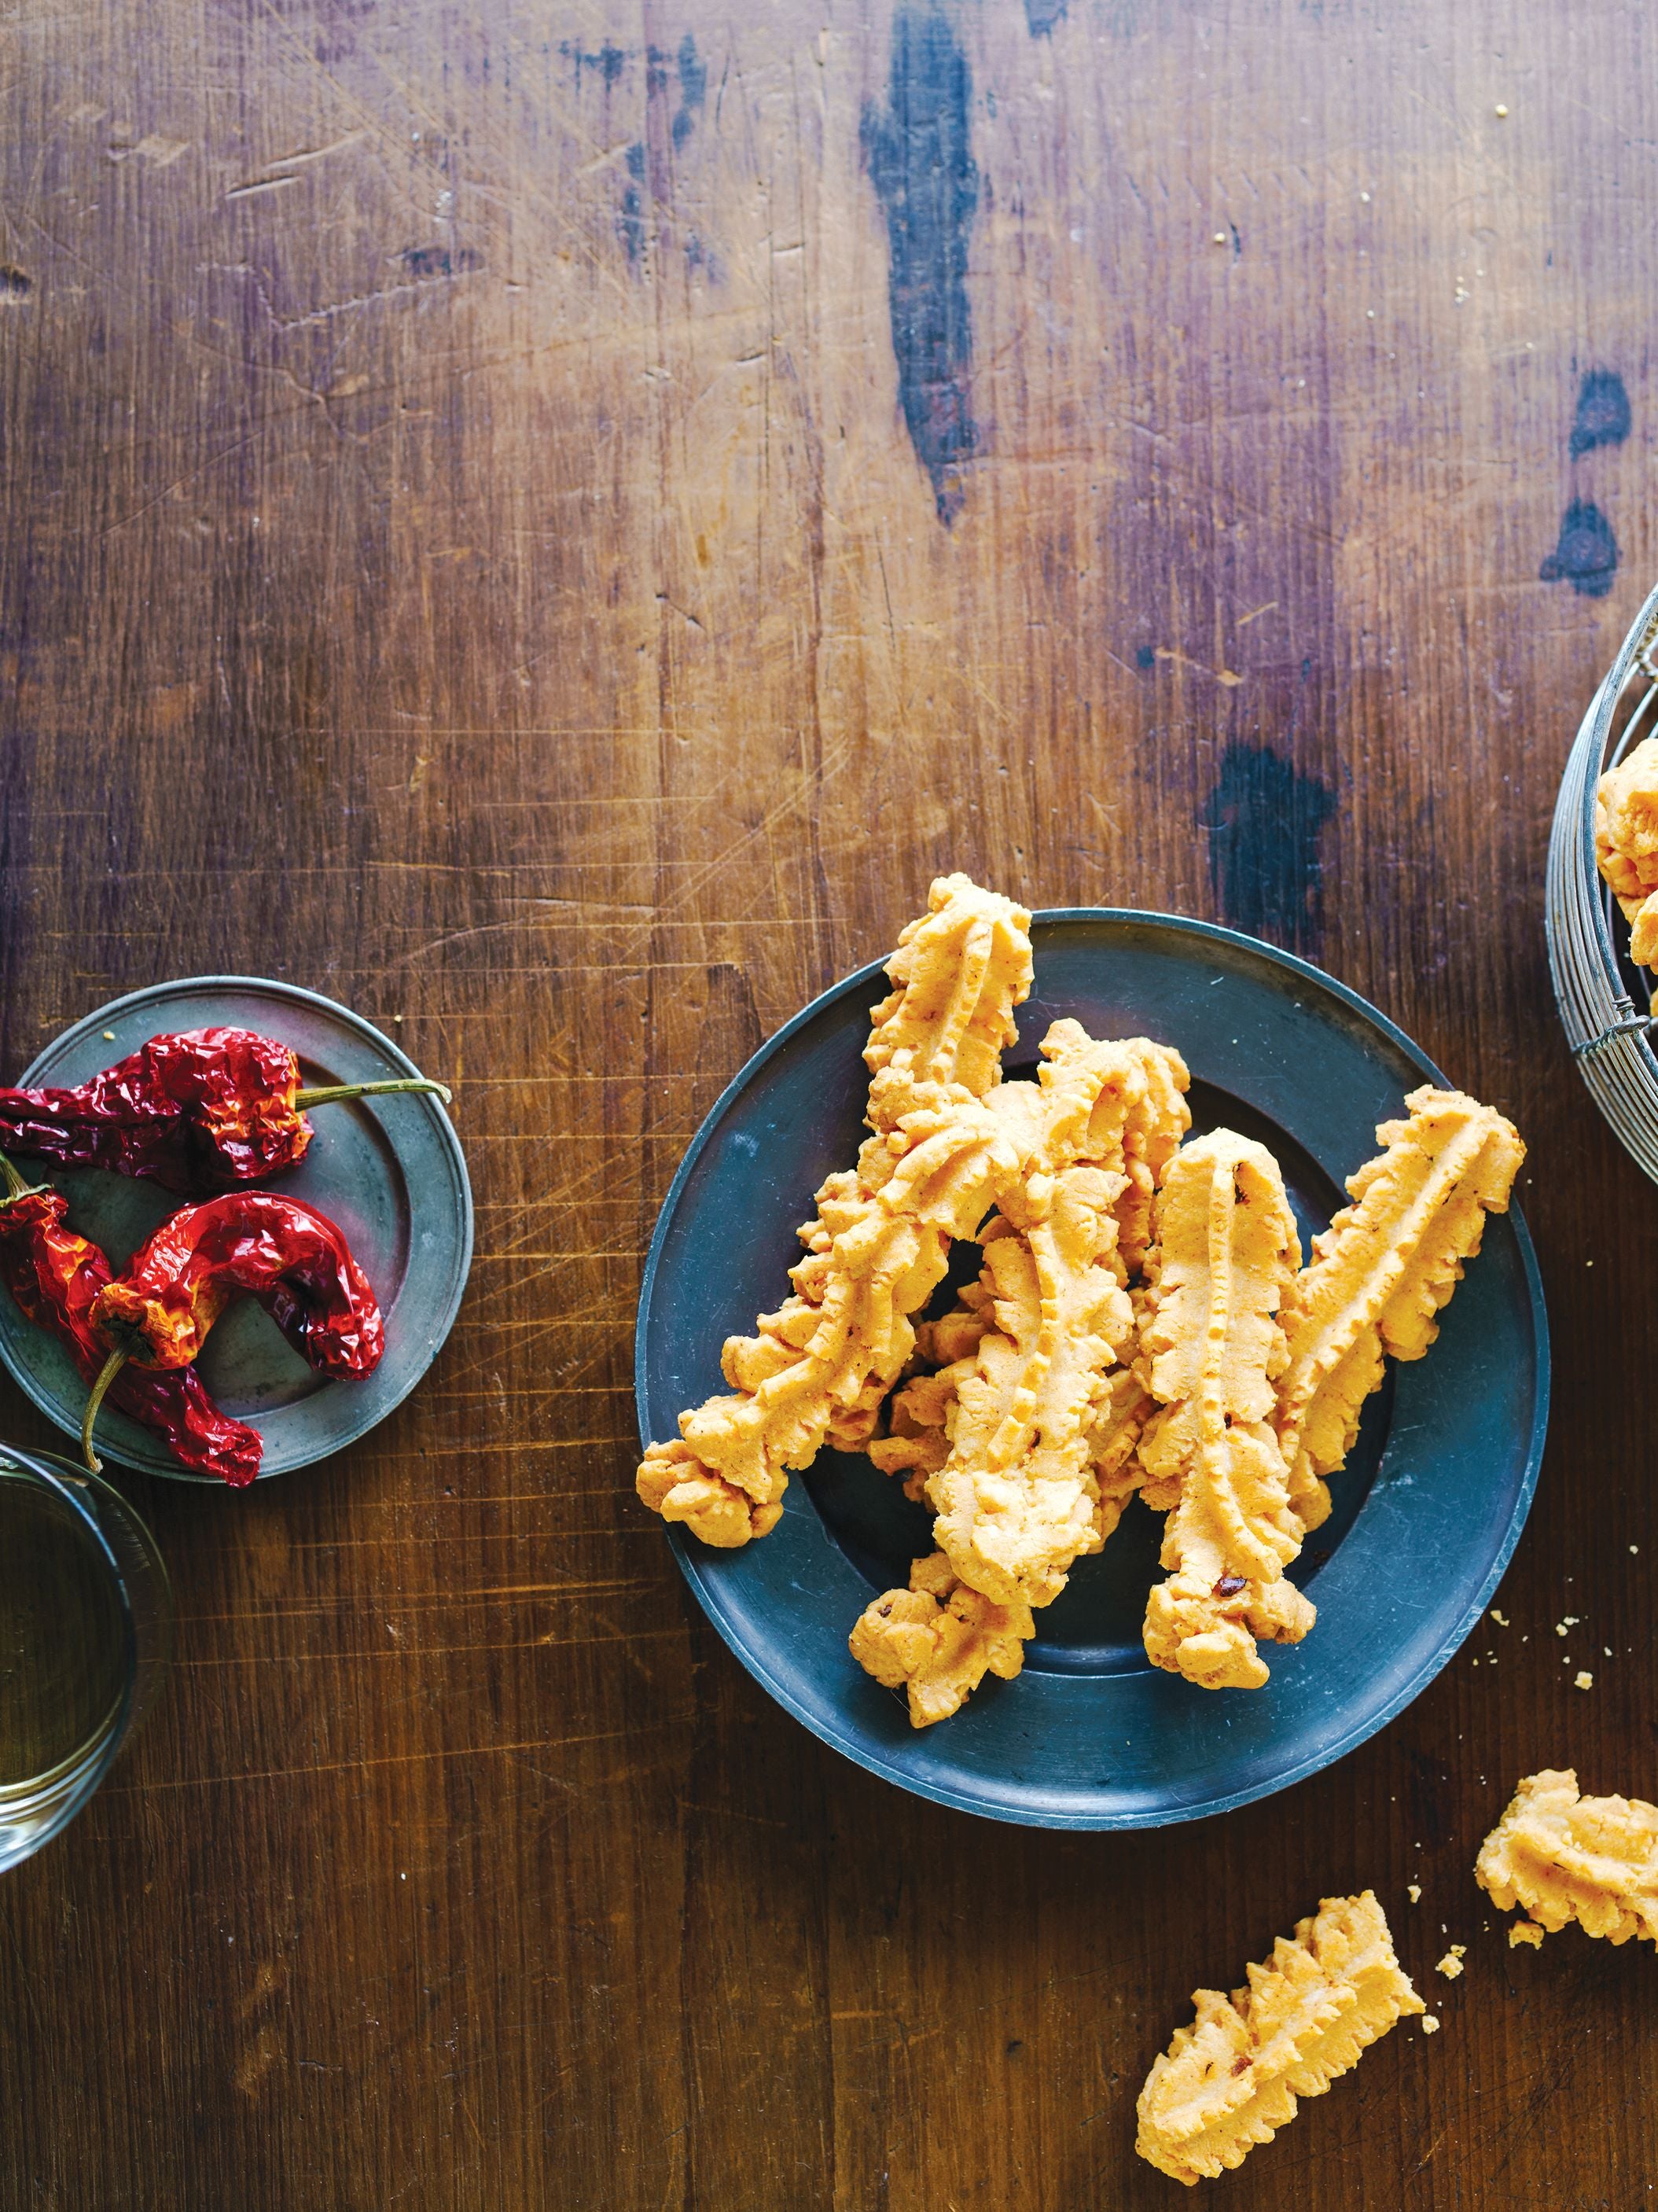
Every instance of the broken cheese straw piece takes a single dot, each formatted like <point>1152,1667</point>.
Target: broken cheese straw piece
<point>1113,1441</point>
<point>1626,844</point>
<point>878,1245</point>
<point>1156,1118</point>
<point>1381,1273</point>
<point>1626,824</point>
<point>918,1441</point>
<point>1564,1856</point>
<point>1232,2080</point>
<point>938,1639</point>
<point>1211,1348</point>
<point>1095,1107</point>
<point>1151,1100</point>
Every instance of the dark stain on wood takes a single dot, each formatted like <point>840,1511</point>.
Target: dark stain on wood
<point>693,88</point>
<point>1266,818</point>
<point>425,262</point>
<point>606,63</point>
<point>1603,412</point>
<point>1040,15</point>
<point>631,221</point>
<point>919,154</point>
<point>1585,553</point>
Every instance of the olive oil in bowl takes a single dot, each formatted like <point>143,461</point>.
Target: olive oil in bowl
<point>83,1624</point>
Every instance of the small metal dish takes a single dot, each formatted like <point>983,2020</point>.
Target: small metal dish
<point>389,1170</point>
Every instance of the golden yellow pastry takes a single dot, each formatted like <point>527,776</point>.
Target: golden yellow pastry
<point>823,1363</point>
<point>1232,2079</point>
<point>959,972</point>
<point>1015,1498</point>
<point>1626,843</point>
<point>1211,1349</point>
<point>939,1158</point>
<point>820,1366</point>
<point>956,1334</point>
<point>1028,1414</point>
<point>1015,1494</point>
<point>1113,1440</point>
<point>1148,1097</point>
<point>1563,1857</point>
<point>916,1444</point>
<point>937,1640</point>
<point>1381,1273</point>
<point>1135,1126</point>
<point>830,1353</point>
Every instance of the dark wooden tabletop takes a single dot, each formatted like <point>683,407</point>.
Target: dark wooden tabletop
<point>551,525</point>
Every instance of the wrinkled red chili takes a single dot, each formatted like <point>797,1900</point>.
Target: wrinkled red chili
<point>294,1261</point>
<point>56,1276</point>
<point>195,1111</point>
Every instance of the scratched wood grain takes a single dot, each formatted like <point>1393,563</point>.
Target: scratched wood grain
<point>551,524</point>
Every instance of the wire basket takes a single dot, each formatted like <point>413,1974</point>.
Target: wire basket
<point>1596,985</point>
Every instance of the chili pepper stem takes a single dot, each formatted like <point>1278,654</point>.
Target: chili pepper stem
<point>331,1092</point>
<point>106,1374</point>
<point>15,1186</point>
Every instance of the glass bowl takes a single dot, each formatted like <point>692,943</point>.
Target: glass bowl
<point>86,1630</point>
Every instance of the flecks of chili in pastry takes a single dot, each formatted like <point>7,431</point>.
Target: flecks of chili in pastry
<point>1232,2079</point>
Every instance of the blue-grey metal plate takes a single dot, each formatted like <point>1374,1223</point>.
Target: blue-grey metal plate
<point>1090,1735</point>
<point>389,1170</point>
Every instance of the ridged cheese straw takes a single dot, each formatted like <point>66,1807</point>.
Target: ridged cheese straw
<point>1232,2079</point>
<point>879,1246</point>
<point>1211,1348</point>
<point>1015,1499</point>
<point>1382,1271</point>
<point>1017,1496</point>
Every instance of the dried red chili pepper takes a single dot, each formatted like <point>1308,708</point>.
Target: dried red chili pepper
<point>56,1276</point>
<point>194,1111</point>
<point>291,1258</point>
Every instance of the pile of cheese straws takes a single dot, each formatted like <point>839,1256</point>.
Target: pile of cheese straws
<point>1142,1321</point>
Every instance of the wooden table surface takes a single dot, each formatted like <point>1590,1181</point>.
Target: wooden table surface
<point>551,525</point>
